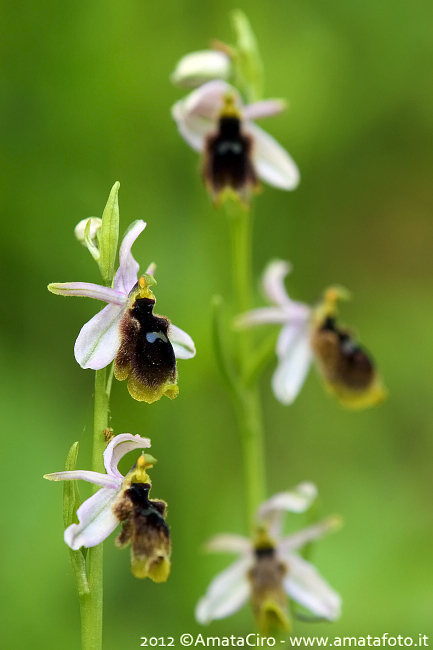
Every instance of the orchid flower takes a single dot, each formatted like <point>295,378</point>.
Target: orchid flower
<point>269,569</point>
<point>311,333</point>
<point>146,345</point>
<point>213,121</point>
<point>123,500</point>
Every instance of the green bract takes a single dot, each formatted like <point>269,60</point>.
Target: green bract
<point>109,236</point>
<point>247,63</point>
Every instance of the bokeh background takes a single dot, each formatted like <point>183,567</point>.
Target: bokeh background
<point>85,101</point>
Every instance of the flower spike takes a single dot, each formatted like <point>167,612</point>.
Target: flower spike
<point>123,500</point>
<point>145,346</point>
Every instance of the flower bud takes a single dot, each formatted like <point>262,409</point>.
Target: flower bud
<point>87,233</point>
<point>197,68</point>
<point>95,224</point>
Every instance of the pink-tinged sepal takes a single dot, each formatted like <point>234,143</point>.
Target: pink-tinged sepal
<point>103,480</point>
<point>120,445</point>
<point>294,361</point>
<point>297,540</point>
<point>96,520</point>
<point>126,275</point>
<point>88,290</point>
<point>226,594</point>
<point>304,584</point>
<point>183,345</point>
<point>273,282</point>
<point>297,500</point>
<point>264,108</point>
<point>273,164</point>
<point>99,340</point>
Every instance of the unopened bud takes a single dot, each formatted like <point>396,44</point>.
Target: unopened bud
<point>197,68</point>
<point>87,233</point>
<point>95,224</point>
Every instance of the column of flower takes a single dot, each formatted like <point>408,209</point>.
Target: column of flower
<point>216,119</point>
<point>128,340</point>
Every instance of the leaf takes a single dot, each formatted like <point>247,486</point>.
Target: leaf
<point>71,502</point>
<point>247,62</point>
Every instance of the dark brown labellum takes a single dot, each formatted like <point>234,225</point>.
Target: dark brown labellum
<point>145,356</point>
<point>145,527</point>
<point>341,358</point>
<point>227,162</point>
<point>268,597</point>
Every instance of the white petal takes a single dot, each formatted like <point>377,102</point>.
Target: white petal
<point>104,480</point>
<point>295,356</point>
<point>126,275</point>
<point>208,100</point>
<point>99,339</point>
<point>304,584</point>
<point>309,534</point>
<point>262,316</point>
<point>297,500</point>
<point>182,343</point>
<point>264,108</point>
<point>96,519</point>
<point>197,68</point>
<point>192,128</point>
<point>228,543</point>
<point>272,162</point>
<point>80,229</point>
<point>273,282</point>
<point>118,447</point>
<point>88,290</point>
<point>287,339</point>
<point>227,592</point>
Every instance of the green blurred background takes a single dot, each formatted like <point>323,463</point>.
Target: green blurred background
<point>86,101</point>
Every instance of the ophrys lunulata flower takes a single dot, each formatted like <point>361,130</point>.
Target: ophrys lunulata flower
<point>125,324</point>
<point>313,333</point>
<point>125,500</point>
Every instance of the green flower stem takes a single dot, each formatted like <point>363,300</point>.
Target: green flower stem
<point>91,603</point>
<point>251,430</point>
<point>246,398</point>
